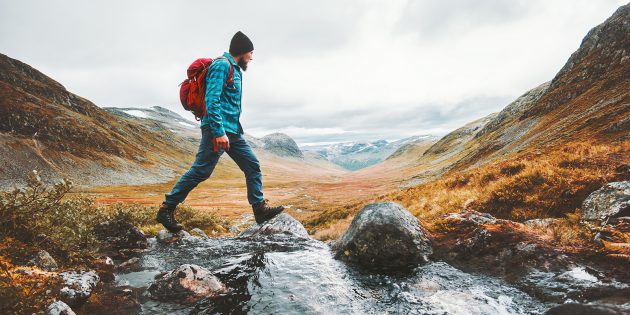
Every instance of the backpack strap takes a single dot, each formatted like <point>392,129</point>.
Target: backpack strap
<point>231,76</point>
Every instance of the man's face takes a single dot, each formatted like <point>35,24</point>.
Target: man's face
<point>245,59</point>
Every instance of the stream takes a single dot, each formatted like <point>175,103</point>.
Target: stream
<point>285,274</point>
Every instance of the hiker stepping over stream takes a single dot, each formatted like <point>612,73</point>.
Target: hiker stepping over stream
<point>219,109</point>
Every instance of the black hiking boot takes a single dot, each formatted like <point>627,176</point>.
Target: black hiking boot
<point>263,212</point>
<point>166,216</point>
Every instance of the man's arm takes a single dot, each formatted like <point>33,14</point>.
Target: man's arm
<point>215,81</point>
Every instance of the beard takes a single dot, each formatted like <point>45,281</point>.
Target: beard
<point>242,64</point>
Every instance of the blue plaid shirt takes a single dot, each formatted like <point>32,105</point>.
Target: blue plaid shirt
<point>223,102</point>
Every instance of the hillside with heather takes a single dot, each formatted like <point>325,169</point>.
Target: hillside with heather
<point>537,159</point>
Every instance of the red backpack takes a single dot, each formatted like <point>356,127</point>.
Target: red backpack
<point>192,92</point>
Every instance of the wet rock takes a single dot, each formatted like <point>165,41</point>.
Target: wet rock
<point>186,284</point>
<point>470,232</point>
<point>133,264</point>
<point>105,262</point>
<point>586,309</point>
<point>115,300</point>
<point>477,241</point>
<point>120,235</point>
<point>198,233</point>
<point>166,237</point>
<point>44,261</point>
<point>384,235</point>
<point>105,268</point>
<point>283,223</point>
<point>59,308</point>
<point>579,283</point>
<point>612,200</point>
<point>78,286</point>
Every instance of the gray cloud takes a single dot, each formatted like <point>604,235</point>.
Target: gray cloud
<point>323,70</point>
<point>384,123</point>
<point>442,19</point>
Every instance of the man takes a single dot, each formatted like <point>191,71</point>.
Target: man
<point>221,131</point>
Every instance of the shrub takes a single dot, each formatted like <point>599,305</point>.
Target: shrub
<point>457,181</point>
<point>37,214</point>
<point>487,178</point>
<point>512,169</point>
<point>513,194</point>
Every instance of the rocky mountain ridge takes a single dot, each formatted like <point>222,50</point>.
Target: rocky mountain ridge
<point>277,143</point>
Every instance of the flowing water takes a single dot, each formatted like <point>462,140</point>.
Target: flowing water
<point>282,274</point>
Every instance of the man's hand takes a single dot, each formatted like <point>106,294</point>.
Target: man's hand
<point>220,142</point>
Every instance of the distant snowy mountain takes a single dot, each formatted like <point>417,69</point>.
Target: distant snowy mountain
<point>357,155</point>
<point>158,118</point>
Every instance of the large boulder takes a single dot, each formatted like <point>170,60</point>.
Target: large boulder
<point>78,286</point>
<point>384,235</point>
<point>186,284</point>
<point>280,224</point>
<point>612,200</point>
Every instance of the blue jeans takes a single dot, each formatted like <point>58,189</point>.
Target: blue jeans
<point>207,159</point>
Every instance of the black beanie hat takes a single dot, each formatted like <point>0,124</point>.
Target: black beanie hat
<point>240,44</point>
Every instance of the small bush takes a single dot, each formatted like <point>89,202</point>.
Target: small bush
<point>513,169</point>
<point>457,181</point>
<point>513,194</point>
<point>487,178</point>
<point>573,162</point>
<point>37,214</point>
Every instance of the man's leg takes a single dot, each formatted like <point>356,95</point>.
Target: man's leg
<point>202,168</point>
<point>242,154</point>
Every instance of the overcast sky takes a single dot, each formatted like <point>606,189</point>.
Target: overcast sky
<point>323,71</point>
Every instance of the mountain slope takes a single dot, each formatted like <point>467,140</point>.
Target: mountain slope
<point>537,158</point>
<point>48,128</point>
<point>163,117</point>
<point>587,99</point>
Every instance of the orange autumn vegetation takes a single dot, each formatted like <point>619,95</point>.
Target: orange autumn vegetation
<point>550,183</point>
<point>24,293</point>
